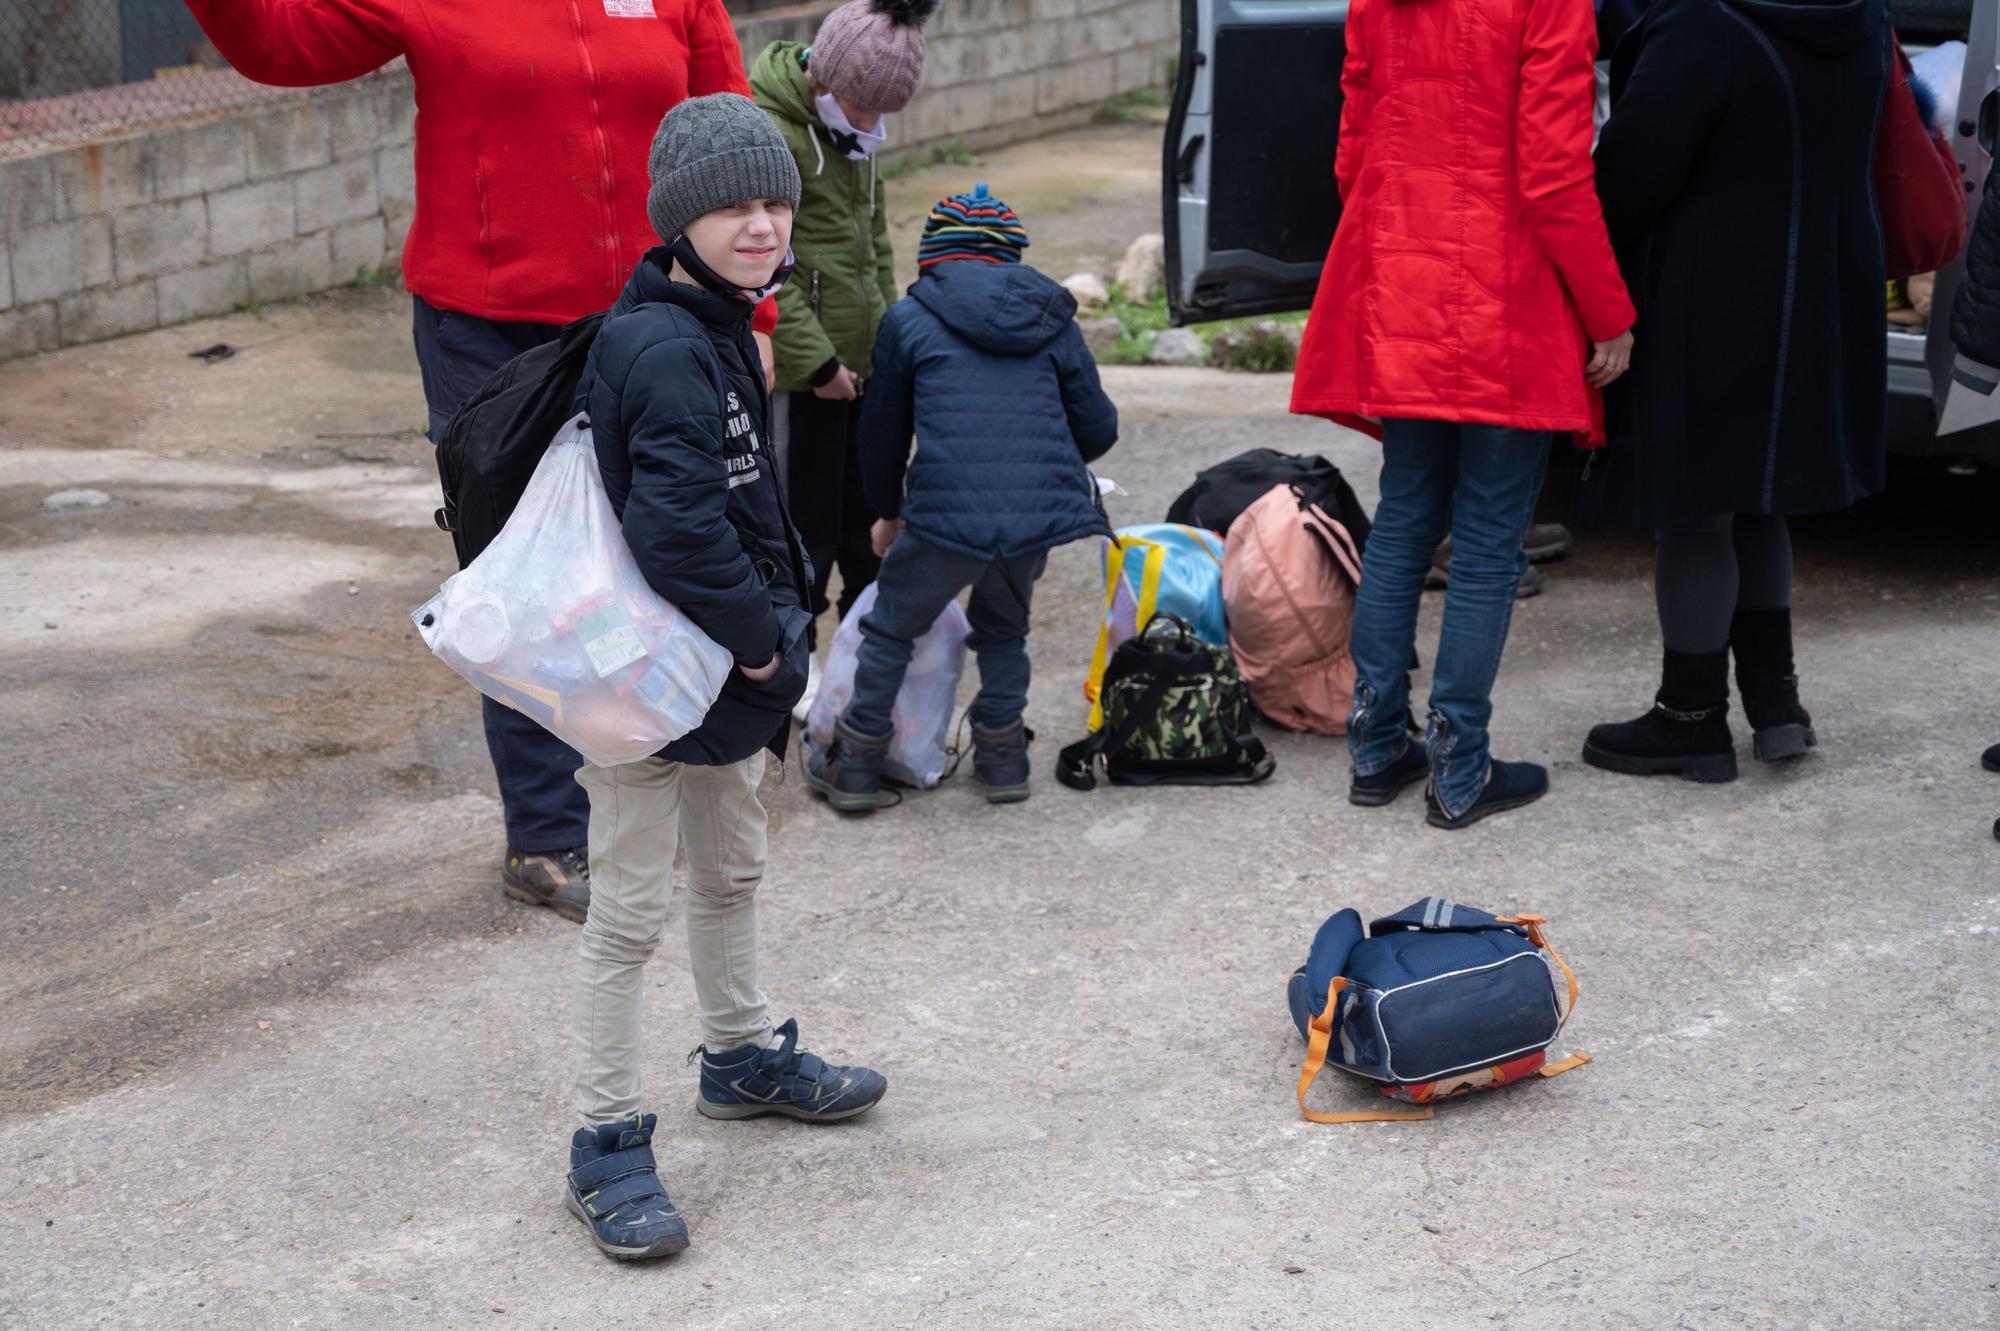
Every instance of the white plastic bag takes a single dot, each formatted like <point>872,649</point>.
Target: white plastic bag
<point>921,720</point>
<point>555,620</point>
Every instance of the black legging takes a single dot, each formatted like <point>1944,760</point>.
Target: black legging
<point>1705,568</point>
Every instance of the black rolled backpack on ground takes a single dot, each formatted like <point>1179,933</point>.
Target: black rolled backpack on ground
<point>1221,493</point>
<point>493,443</point>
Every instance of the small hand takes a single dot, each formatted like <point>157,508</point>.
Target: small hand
<point>840,388</point>
<point>762,672</point>
<point>1608,360</point>
<point>769,357</point>
<point>883,535</point>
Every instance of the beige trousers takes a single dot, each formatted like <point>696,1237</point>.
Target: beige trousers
<point>639,814</point>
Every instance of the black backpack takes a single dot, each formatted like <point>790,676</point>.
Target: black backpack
<point>1221,493</point>
<point>493,443</point>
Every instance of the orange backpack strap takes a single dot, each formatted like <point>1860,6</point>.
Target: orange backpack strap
<point>1540,939</point>
<point>1319,1036</point>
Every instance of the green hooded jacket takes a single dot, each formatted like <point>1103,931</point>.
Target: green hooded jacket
<point>846,279</point>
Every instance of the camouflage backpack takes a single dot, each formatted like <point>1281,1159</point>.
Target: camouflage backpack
<point>1176,712</point>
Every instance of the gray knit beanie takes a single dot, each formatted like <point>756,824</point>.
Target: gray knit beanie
<point>711,152</point>
<point>870,53</point>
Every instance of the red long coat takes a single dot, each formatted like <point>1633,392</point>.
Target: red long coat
<point>533,126</point>
<point>1470,271</point>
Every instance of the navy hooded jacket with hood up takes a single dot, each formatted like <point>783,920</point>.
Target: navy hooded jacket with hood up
<point>984,363</point>
<point>675,393</point>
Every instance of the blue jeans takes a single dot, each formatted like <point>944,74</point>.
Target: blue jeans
<point>545,808</point>
<point>1479,483</point>
<point>917,582</point>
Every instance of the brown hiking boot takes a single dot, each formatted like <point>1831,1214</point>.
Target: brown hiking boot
<point>558,879</point>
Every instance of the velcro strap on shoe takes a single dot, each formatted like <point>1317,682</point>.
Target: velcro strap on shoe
<point>812,1067</point>
<point>598,1172</point>
<point>639,1185</point>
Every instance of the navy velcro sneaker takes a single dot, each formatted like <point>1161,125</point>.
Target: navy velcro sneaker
<point>614,1188</point>
<point>747,1081</point>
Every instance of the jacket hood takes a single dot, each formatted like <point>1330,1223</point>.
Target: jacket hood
<point>1815,26</point>
<point>1009,309</point>
<point>778,82</point>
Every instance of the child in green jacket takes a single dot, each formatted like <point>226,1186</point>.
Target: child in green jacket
<point>828,100</point>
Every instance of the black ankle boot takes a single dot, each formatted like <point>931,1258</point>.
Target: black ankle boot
<point>1687,732</point>
<point>849,772</point>
<point>1000,761</point>
<point>1768,685</point>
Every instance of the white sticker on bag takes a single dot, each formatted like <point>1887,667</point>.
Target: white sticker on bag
<point>629,8</point>
<point>610,640</point>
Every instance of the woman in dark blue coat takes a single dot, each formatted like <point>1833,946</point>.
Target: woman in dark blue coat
<point>1735,173</point>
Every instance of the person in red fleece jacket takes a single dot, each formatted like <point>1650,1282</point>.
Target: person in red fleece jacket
<point>532,122</point>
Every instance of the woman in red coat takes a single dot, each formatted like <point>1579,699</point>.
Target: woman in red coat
<point>1471,304</point>
<point>533,126</point>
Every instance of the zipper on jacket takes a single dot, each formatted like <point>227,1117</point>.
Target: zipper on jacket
<point>814,298</point>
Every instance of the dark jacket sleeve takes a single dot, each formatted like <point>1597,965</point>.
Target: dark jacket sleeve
<point>1664,110</point>
<point>676,513</point>
<point>1975,311</point>
<point>1093,419</point>
<point>888,420</point>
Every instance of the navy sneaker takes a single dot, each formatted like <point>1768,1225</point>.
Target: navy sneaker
<point>615,1190</point>
<point>1411,765</point>
<point>1510,786</point>
<point>746,1081</point>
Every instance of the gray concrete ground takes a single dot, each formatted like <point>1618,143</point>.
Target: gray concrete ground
<point>277,1053</point>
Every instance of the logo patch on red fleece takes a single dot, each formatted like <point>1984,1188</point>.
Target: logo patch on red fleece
<point>629,8</point>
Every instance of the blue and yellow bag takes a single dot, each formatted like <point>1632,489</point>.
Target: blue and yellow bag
<point>1156,568</point>
<point>1438,1000</point>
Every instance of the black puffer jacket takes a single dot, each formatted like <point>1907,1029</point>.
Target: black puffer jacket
<point>675,393</point>
<point>1975,311</point>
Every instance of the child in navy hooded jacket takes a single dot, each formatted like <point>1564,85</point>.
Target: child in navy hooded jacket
<point>984,364</point>
<point>678,415</point>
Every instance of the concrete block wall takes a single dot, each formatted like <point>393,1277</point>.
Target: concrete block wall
<point>169,223</point>
<point>999,71</point>
<point>197,218</point>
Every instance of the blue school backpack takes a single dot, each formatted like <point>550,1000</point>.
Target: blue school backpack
<point>1438,1000</point>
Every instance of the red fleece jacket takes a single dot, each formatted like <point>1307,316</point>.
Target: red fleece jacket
<point>533,126</point>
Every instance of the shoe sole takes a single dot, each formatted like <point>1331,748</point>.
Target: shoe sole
<point>1542,554</point>
<point>665,1247</point>
<point>528,896</point>
<point>841,801</point>
<point>1776,743</point>
<point>1375,799</point>
<point>1006,794</point>
<point>707,1109</point>
<point>1436,817</point>
<point>1706,768</point>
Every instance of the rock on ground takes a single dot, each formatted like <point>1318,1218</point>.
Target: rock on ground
<point>1177,346</point>
<point>73,501</point>
<point>1144,266</point>
<point>1267,346</point>
<point>1088,288</point>
<point>1100,335</point>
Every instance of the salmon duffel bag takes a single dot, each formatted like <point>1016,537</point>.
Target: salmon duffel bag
<point>1437,1001</point>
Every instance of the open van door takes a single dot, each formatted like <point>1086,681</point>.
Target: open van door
<point>1250,202</point>
<point>1975,139</point>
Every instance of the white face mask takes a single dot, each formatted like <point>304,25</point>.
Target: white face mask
<point>856,145</point>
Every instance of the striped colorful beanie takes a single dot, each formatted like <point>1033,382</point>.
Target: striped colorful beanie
<point>972,226</point>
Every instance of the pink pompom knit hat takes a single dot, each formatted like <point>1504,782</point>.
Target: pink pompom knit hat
<point>870,53</point>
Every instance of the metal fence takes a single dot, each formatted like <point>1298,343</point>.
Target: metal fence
<point>73,69</point>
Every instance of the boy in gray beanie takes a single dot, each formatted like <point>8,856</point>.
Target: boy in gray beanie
<point>675,396</point>
<point>829,101</point>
